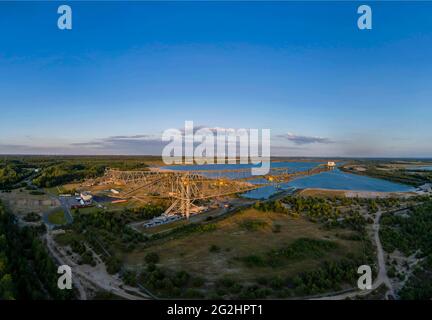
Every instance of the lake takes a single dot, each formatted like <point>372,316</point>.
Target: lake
<point>292,167</point>
<point>334,179</point>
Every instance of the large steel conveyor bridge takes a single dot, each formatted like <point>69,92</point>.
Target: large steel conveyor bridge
<point>185,188</point>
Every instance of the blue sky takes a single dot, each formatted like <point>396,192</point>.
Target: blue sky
<point>128,71</point>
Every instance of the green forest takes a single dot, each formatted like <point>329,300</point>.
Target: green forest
<point>11,174</point>
<point>55,171</point>
<point>27,272</point>
<point>107,233</point>
<point>412,234</point>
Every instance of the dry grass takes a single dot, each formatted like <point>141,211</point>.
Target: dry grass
<point>325,193</point>
<point>192,252</point>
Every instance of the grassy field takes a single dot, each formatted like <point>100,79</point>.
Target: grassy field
<point>220,252</point>
<point>57,217</point>
<point>67,188</point>
<point>321,193</point>
<point>163,227</point>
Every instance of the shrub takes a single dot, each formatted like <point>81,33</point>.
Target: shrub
<point>225,283</point>
<point>262,281</point>
<point>32,217</point>
<point>130,278</point>
<point>151,267</point>
<point>192,293</point>
<point>252,224</point>
<point>214,248</point>
<point>152,257</point>
<point>276,283</point>
<point>181,278</point>
<point>236,288</point>
<point>113,265</point>
<point>277,228</point>
<point>37,193</point>
<point>254,261</point>
<point>87,258</point>
<point>197,282</point>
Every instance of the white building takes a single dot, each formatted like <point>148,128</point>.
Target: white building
<point>86,197</point>
<point>331,164</point>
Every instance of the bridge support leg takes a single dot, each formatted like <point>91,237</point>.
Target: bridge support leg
<point>186,201</point>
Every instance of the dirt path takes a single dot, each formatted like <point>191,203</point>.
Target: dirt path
<point>382,271</point>
<point>382,276</point>
<point>76,281</point>
<point>99,278</point>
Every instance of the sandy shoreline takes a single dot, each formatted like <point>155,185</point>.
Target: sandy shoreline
<point>353,193</point>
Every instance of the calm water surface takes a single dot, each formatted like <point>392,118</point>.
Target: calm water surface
<point>334,180</point>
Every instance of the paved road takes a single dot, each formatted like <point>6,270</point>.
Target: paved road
<point>66,208</point>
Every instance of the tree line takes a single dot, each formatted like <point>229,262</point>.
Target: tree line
<point>67,170</point>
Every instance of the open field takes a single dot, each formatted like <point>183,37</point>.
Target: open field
<point>321,193</point>
<point>21,202</point>
<point>232,240</point>
<point>57,217</point>
<point>69,188</point>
